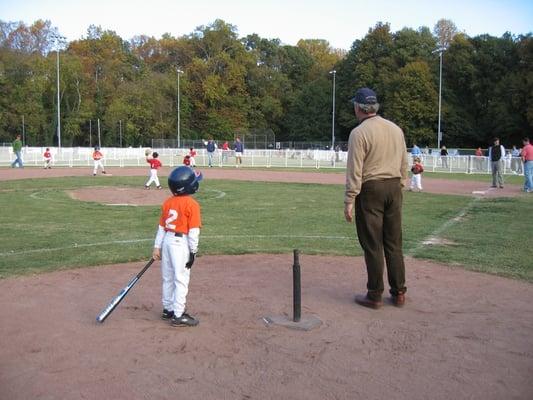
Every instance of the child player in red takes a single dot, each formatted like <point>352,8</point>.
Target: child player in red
<point>192,154</point>
<point>416,178</point>
<point>176,243</point>
<point>155,164</point>
<point>47,159</point>
<point>187,160</point>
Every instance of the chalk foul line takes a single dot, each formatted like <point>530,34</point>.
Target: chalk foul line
<point>434,237</point>
<point>131,241</point>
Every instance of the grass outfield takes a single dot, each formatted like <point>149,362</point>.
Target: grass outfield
<point>44,229</point>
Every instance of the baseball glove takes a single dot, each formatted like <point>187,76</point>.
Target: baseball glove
<point>148,152</point>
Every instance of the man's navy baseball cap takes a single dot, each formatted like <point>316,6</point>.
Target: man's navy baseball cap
<point>365,96</point>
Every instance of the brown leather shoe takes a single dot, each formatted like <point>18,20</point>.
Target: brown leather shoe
<point>398,300</point>
<point>364,301</point>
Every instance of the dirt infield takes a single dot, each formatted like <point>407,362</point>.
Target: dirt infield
<point>461,335</point>
<point>439,186</point>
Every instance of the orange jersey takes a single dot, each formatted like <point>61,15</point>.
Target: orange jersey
<point>97,155</point>
<point>180,214</point>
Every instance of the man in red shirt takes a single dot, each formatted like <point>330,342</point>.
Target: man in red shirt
<point>527,158</point>
<point>155,164</point>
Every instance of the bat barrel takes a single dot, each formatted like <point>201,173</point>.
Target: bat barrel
<point>115,302</point>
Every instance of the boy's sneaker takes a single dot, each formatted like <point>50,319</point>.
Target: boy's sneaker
<point>160,187</point>
<point>167,314</point>
<point>184,320</point>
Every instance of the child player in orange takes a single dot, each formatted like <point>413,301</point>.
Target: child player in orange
<point>97,158</point>
<point>155,164</point>
<point>47,159</point>
<point>176,243</point>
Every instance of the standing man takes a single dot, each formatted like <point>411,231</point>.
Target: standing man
<point>415,151</point>
<point>225,151</point>
<point>527,158</point>
<point>239,149</point>
<point>17,149</point>
<point>211,147</point>
<point>375,173</point>
<point>516,162</point>
<point>496,157</point>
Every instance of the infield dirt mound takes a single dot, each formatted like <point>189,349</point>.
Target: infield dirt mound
<point>461,335</point>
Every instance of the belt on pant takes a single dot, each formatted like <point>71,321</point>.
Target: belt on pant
<point>177,234</point>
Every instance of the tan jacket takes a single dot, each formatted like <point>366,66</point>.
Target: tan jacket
<point>376,150</point>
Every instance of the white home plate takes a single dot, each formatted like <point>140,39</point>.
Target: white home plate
<point>305,324</point>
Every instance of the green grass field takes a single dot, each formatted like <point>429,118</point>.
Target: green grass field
<point>44,229</point>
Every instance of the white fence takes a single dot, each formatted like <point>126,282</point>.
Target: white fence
<point>288,158</point>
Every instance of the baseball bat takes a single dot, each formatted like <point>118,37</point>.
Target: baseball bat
<point>116,301</point>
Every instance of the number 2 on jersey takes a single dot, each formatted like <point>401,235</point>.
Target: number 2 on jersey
<point>172,216</point>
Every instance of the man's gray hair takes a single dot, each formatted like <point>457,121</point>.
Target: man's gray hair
<point>368,108</point>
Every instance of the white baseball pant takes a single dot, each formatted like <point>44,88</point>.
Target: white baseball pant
<point>153,178</point>
<point>98,163</point>
<point>175,276</point>
<point>416,181</point>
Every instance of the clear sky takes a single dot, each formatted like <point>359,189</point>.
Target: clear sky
<point>338,21</point>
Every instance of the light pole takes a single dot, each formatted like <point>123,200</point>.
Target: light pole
<point>58,104</point>
<point>23,131</point>
<point>179,71</point>
<point>440,50</point>
<point>333,72</point>
<point>120,131</point>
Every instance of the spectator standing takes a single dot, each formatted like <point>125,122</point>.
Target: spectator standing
<point>238,146</point>
<point>496,158</point>
<point>527,158</point>
<point>479,159</point>
<point>225,151</point>
<point>516,162</point>
<point>17,150</point>
<point>211,148</point>
<point>444,157</point>
<point>415,151</point>
<point>375,173</point>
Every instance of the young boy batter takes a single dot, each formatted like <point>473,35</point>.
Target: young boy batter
<point>176,244</point>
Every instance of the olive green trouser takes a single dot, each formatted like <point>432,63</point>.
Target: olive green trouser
<point>378,221</point>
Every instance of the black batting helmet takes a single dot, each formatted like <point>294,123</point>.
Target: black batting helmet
<point>183,180</point>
